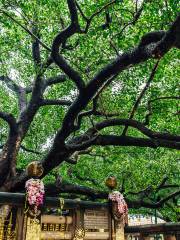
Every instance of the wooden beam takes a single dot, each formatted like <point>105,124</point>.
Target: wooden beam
<point>18,199</point>
<point>154,228</point>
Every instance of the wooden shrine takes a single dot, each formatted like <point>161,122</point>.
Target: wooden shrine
<point>78,220</point>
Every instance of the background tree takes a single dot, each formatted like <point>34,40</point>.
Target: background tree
<point>89,88</point>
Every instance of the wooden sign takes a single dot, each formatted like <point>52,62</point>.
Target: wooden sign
<point>96,220</point>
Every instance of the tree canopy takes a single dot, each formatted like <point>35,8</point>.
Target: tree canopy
<point>90,89</point>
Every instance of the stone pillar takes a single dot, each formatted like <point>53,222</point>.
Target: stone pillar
<point>33,231</point>
<point>119,231</point>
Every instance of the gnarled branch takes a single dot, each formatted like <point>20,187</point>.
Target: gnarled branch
<point>113,140</point>
<point>135,124</point>
<point>60,38</point>
<point>9,118</point>
<point>20,91</point>
<point>55,80</point>
<point>58,102</point>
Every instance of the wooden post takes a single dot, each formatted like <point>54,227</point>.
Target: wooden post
<point>79,233</point>
<point>19,224</point>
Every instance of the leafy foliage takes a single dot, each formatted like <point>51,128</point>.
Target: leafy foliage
<point>88,54</point>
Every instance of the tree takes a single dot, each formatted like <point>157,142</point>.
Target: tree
<point>90,72</point>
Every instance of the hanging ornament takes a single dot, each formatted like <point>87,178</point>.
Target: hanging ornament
<point>119,207</point>
<point>35,195</point>
<point>61,206</point>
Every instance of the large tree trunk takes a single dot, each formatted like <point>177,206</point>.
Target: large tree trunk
<point>8,158</point>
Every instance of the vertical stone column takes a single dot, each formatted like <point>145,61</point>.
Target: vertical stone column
<point>33,231</point>
<point>119,231</point>
<point>79,232</point>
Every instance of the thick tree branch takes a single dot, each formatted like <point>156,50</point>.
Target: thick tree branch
<point>65,187</point>
<point>20,91</point>
<point>71,160</point>
<point>105,140</point>
<point>55,80</point>
<point>58,102</point>
<point>38,88</point>
<point>9,118</point>
<point>135,124</point>
<point>29,150</point>
<point>113,140</point>
<point>36,47</point>
<point>147,49</point>
<point>49,82</point>
<point>61,38</point>
<point>10,83</point>
<point>138,55</point>
<point>154,47</point>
